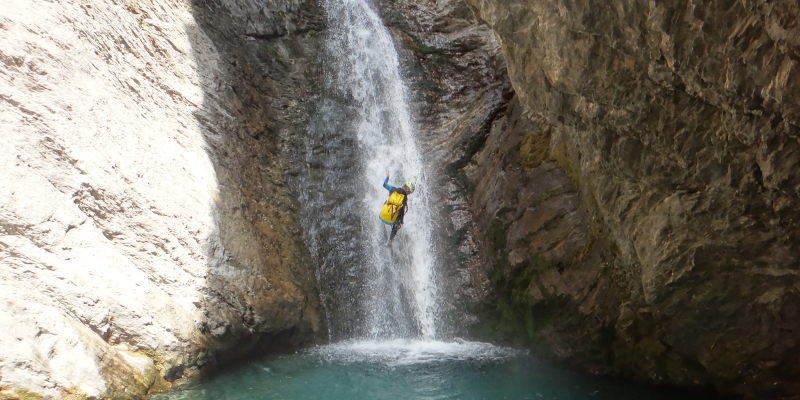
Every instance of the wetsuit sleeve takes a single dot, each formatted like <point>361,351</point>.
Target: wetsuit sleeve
<point>387,185</point>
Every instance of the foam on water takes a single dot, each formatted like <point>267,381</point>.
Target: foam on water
<point>398,352</point>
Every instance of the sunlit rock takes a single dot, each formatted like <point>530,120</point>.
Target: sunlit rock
<point>145,230</point>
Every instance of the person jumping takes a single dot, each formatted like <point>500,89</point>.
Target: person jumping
<point>396,205</point>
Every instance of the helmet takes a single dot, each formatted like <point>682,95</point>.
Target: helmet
<point>409,187</point>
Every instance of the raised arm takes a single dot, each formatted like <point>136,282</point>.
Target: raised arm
<point>387,185</point>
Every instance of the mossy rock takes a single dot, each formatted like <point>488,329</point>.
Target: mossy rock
<point>650,347</point>
<point>9,393</point>
<point>534,149</point>
<point>516,316</point>
<point>561,155</point>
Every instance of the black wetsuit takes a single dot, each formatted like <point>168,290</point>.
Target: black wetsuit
<point>401,213</point>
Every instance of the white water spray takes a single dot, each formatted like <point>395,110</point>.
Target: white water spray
<point>400,294</point>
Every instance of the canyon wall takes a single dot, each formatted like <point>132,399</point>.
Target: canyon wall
<point>639,194</point>
<point>616,183</point>
<point>146,230</point>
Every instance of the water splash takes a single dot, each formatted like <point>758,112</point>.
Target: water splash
<point>398,352</point>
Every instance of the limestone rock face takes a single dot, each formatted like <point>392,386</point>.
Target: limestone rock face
<point>642,198</point>
<point>145,227</point>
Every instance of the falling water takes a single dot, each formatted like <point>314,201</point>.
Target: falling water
<point>362,131</point>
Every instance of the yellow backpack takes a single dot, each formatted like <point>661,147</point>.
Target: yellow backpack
<point>392,207</point>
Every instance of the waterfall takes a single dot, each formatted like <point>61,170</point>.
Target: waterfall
<point>362,129</point>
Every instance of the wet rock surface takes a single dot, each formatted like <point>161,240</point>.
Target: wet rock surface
<point>457,88</point>
<point>145,228</point>
<point>669,248</point>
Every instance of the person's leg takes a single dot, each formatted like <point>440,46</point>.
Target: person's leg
<point>398,223</point>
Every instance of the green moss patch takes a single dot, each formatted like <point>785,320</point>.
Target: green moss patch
<point>516,316</point>
<point>650,347</point>
<point>534,149</point>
